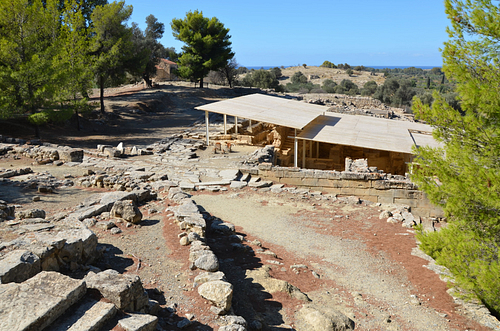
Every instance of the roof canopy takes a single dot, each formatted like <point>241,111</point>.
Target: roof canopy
<point>268,109</point>
<point>334,128</point>
<point>368,132</point>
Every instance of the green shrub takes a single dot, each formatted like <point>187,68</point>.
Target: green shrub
<point>299,78</point>
<point>329,86</point>
<point>473,259</point>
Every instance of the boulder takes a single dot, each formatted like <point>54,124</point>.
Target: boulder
<point>207,261</point>
<point>126,210</point>
<point>18,266</point>
<point>327,319</point>
<point>219,292</point>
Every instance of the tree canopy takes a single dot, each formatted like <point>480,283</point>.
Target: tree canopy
<point>207,45</point>
<point>463,176</point>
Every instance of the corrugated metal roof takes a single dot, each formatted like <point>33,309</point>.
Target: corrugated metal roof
<point>368,132</point>
<point>268,109</point>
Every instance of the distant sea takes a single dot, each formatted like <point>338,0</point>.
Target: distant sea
<point>374,67</point>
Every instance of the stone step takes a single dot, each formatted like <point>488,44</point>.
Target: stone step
<point>36,303</point>
<point>87,315</point>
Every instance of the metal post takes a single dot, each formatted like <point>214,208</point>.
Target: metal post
<point>304,154</point>
<point>311,148</point>
<point>317,149</point>
<point>236,125</point>
<point>206,125</point>
<point>296,151</point>
<point>225,124</point>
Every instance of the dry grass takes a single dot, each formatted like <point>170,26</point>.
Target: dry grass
<point>337,75</point>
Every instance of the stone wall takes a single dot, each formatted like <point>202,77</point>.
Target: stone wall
<point>375,187</point>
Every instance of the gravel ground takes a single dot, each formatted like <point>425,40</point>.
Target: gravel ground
<point>368,286</point>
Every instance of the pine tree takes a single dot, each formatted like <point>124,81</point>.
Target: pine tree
<point>463,176</point>
<point>112,45</point>
<point>207,45</point>
<point>28,32</point>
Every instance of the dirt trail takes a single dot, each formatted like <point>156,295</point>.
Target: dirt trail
<point>370,286</point>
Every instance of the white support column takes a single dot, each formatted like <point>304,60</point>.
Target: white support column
<point>236,124</point>
<point>296,151</point>
<point>304,154</point>
<point>206,125</point>
<point>225,124</point>
<point>250,126</point>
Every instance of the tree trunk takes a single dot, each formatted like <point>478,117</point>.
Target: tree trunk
<point>77,120</point>
<point>201,83</point>
<point>101,97</point>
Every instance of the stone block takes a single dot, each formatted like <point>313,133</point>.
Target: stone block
<point>408,202</point>
<point>71,154</point>
<point>219,292</point>
<point>18,266</point>
<point>124,290</point>
<point>309,181</point>
<point>89,315</point>
<point>138,322</point>
<point>126,210</point>
<point>36,303</point>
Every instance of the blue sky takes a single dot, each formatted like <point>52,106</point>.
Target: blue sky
<point>358,32</point>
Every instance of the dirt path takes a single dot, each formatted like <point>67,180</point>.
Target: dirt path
<point>370,286</point>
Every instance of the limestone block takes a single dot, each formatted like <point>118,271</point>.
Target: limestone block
<point>126,210</point>
<point>36,303</point>
<point>80,246</point>
<point>219,292</point>
<point>125,291</point>
<point>236,184</point>
<point>311,318</point>
<point>206,277</point>
<point>71,154</point>
<point>30,213</point>
<point>90,315</point>
<point>207,261</point>
<point>138,322</point>
<point>19,265</point>
<point>230,174</point>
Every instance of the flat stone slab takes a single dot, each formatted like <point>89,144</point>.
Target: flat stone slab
<point>238,185</point>
<point>139,322</point>
<point>19,265</point>
<point>89,315</point>
<point>230,174</point>
<point>36,303</point>
<point>218,183</point>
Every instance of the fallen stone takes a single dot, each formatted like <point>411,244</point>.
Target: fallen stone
<point>206,277</point>
<point>126,210</point>
<point>68,154</point>
<point>38,302</point>
<point>238,185</point>
<point>230,174</point>
<point>18,266</point>
<point>125,291</point>
<point>30,213</point>
<point>207,261</point>
<point>219,292</point>
<point>311,318</point>
<point>260,184</point>
<point>138,322</point>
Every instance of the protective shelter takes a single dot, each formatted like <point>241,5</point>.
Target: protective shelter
<point>327,138</point>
